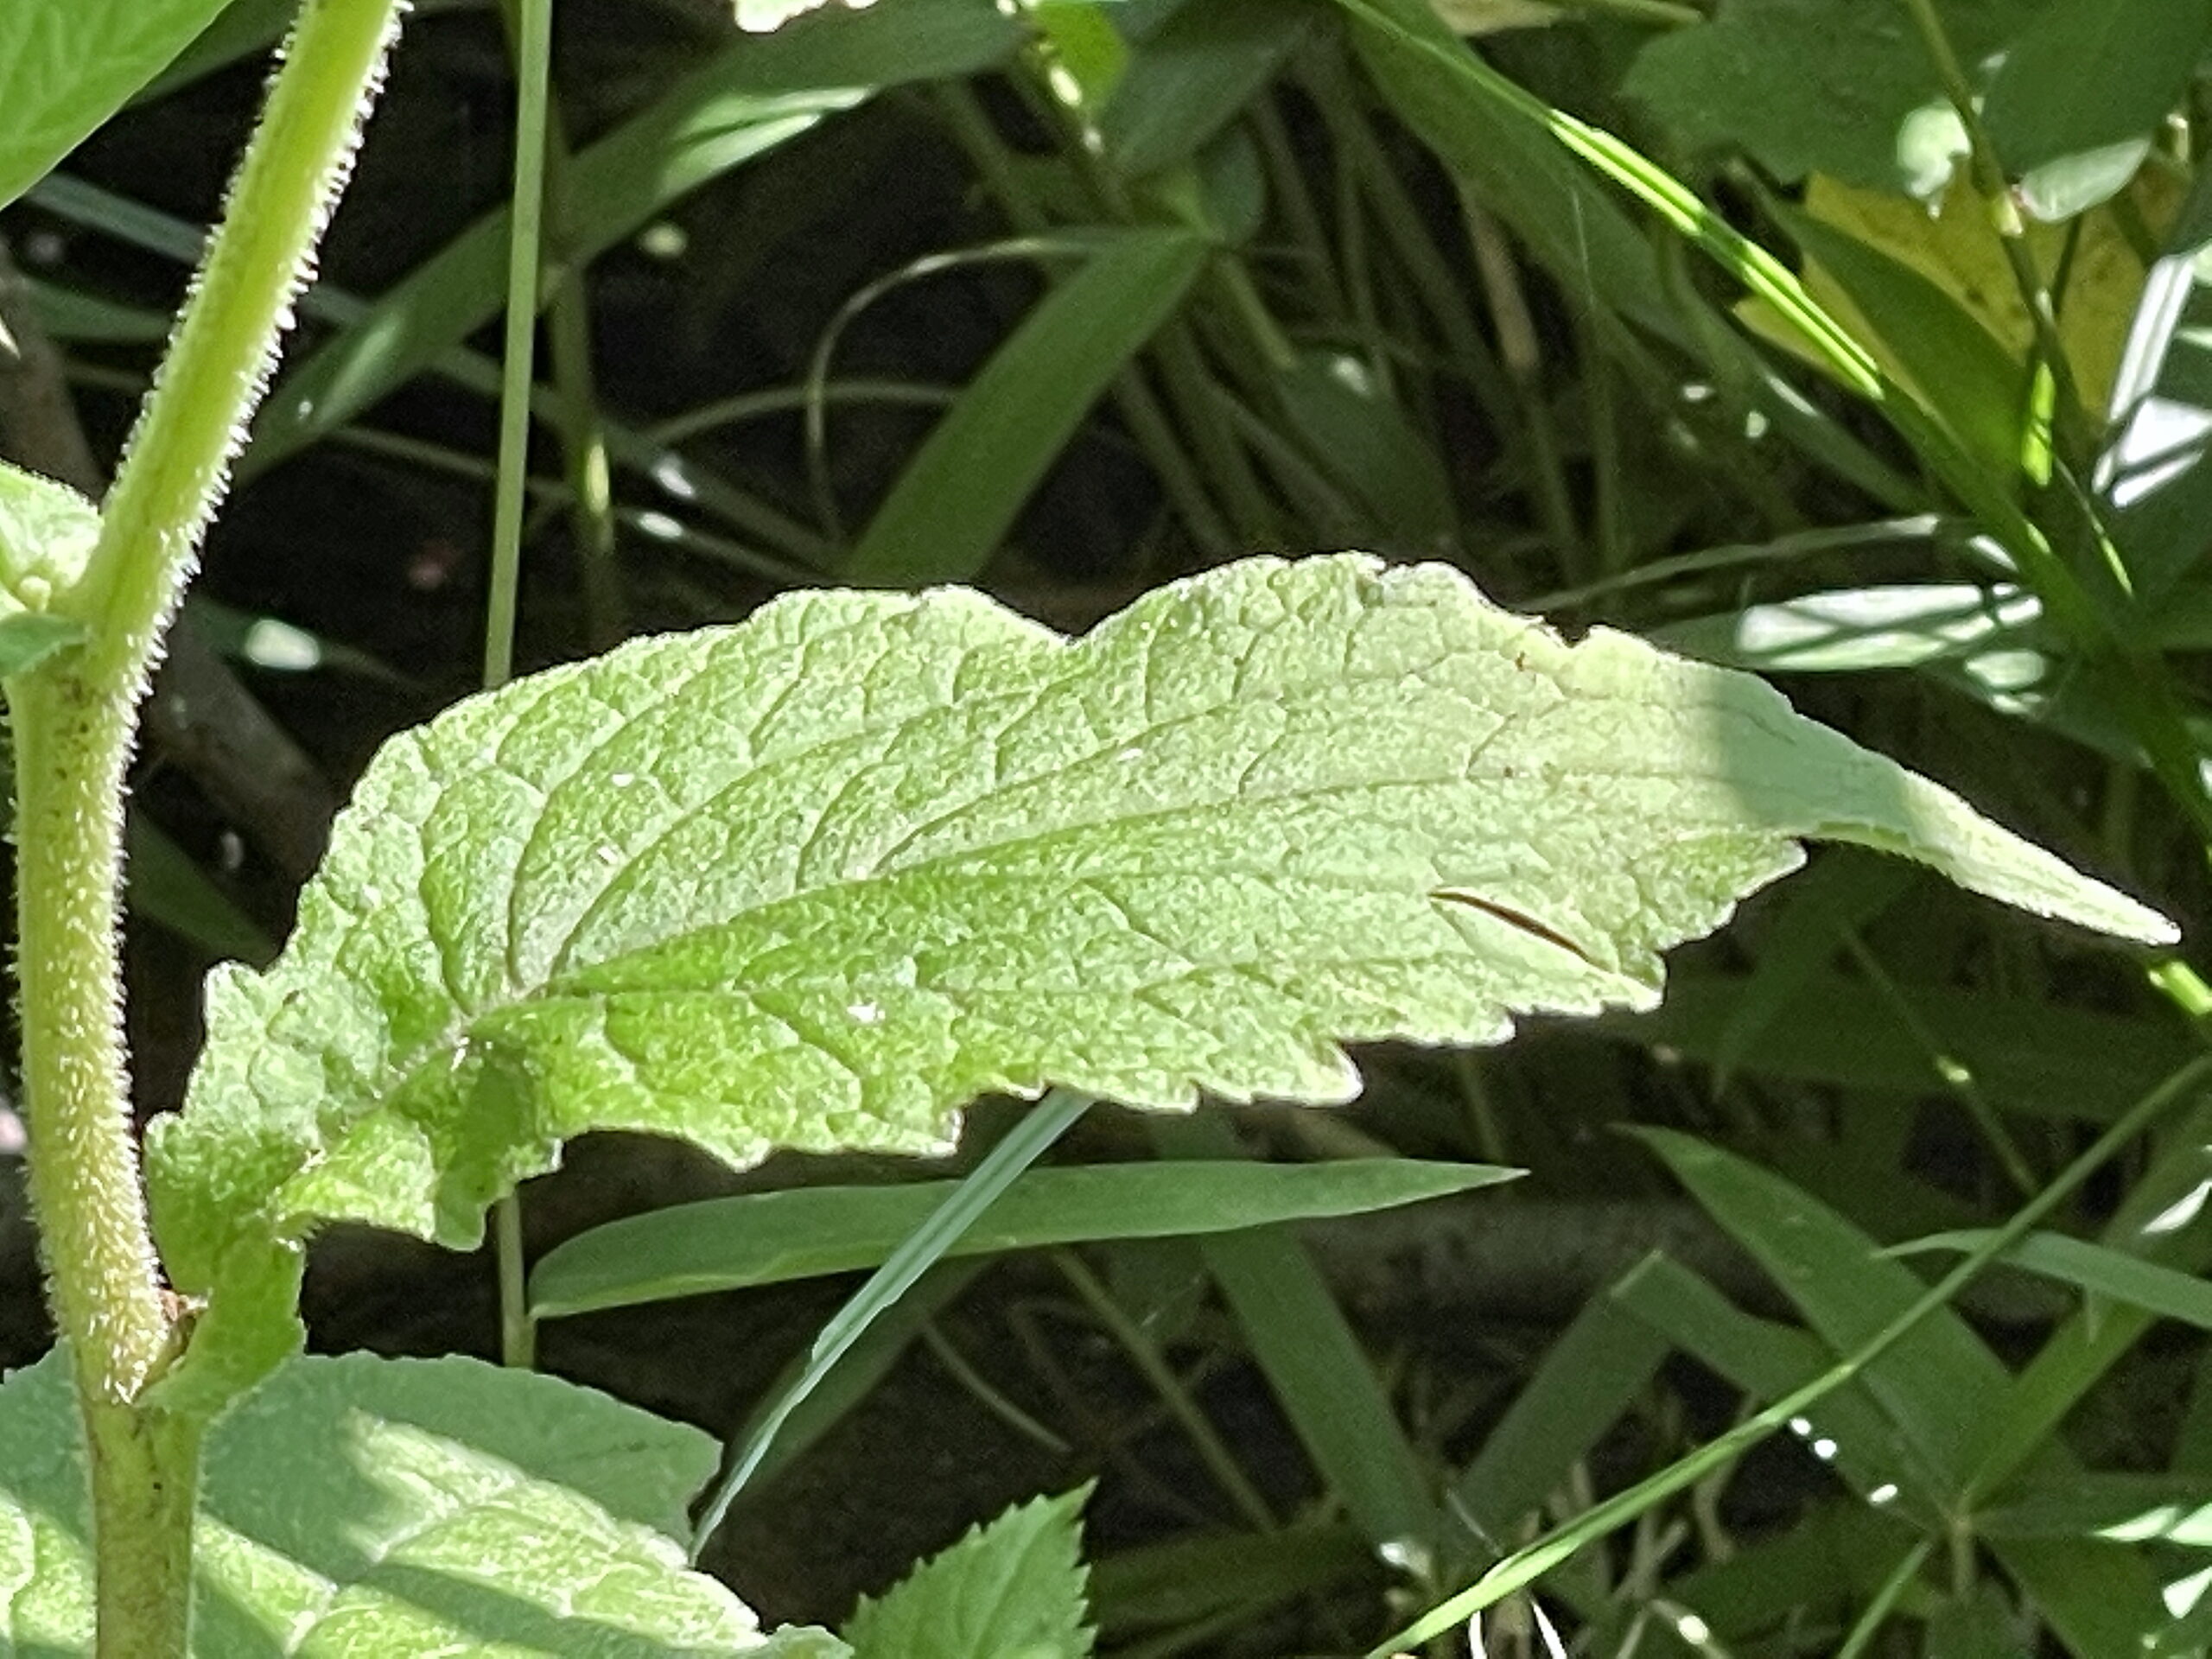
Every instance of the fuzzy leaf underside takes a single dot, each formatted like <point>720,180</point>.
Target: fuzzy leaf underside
<point>818,880</point>
<point>373,1506</point>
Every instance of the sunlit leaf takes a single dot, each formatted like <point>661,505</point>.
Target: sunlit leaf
<point>818,880</point>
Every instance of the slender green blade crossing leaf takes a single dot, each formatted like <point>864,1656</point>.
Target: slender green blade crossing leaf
<point>1011,1590</point>
<point>374,1506</point>
<point>66,66</point>
<point>818,880</point>
<point>766,1237</point>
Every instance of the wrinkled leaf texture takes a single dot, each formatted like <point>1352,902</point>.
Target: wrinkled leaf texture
<point>818,880</point>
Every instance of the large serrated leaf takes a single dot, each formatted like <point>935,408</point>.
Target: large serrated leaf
<point>374,1506</point>
<point>818,880</point>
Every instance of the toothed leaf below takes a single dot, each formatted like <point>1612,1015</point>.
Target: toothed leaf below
<point>1011,1590</point>
<point>818,880</point>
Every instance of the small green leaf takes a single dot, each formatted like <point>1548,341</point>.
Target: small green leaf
<point>66,66</point>
<point>819,880</point>
<point>363,1505</point>
<point>1011,1590</point>
<point>768,1238</point>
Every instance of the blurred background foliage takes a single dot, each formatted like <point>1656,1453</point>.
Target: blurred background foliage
<point>1066,298</point>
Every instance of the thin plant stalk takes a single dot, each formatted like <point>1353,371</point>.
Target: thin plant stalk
<point>526,218</point>
<point>74,720</point>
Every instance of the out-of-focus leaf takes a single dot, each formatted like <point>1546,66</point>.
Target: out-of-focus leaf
<point>1933,1382</point>
<point>1956,250</point>
<point>2157,489</point>
<point>1222,1576</point>
<point>1362,439</point>
<point>167,887</point>
<point>2023,1054</point>
<point>1324,1383</point>
<point>1849,1429</point>
<point>1854,630</point>
<point>1807,86</point>
<point>1841,894</point>
<point>957,498</point>
<point>766,1237</point>
<point>2128,1509</point>
<point>70,314</point>
<point>1926,340</point>
<point>1563,215</point>
<point>1596,1369</point>
<point>1194,74</point>
<point>2072,108</point>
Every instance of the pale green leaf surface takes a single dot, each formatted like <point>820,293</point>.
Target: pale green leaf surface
<point>66,66</point>
<point>368,1506</point>
<point>762,1238</point>
<point>818,880</point>
<point>1011,1590</point>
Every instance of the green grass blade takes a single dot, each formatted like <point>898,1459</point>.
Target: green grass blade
<point>952,506</point>
<point>769,1238</point>
<point>1323,1380</point>
<point>1194,74</point>
<point>1031,1137</point>
<point>1585,1381</point>
<point>2097,1268</point>
<point>1526,1566</point>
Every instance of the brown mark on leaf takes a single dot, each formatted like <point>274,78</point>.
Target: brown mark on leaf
<point>1517,919</point>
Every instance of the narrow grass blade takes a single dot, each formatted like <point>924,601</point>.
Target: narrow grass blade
<point>1323,1380</point>
<point>765,1238</point>
<point>1029,1139</point>
<point>1585,1381</point>
<point>958,497</point>
<point>2097,1268</point>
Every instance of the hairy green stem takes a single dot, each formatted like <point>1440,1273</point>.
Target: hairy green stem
<point>74,721</point>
